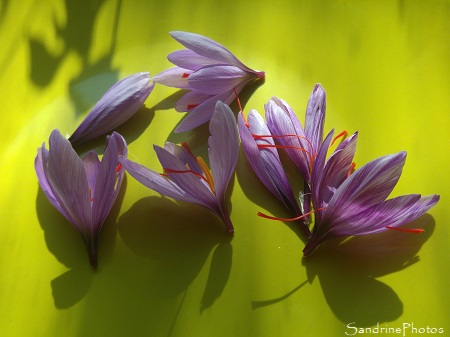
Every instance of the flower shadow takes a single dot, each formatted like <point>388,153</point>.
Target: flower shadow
<point>255,190</point>
<point>130,130</point>
<point>66,244</point>
<point>176,239</point>
<point>348,270</point>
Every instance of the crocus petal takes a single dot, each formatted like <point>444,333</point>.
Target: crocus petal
<point>175,77</point>
<point>367,186</point>
<point>40,165</point>
<point>188,59</point>
<point>393,213</point>
<point>214,80</point>
<point>156,181</point>
<point>109,179</point>
<point>186,157</point>
<point>265,162</point>
<point>67,178</point>
<point>191,100</point>
<point>326,179</point>
<point>315,116</point>
<point>191,183</point>
<point>116,106</point>
<point>223,148</point>
<point>91,165</point>
<point>203,113</point>
<point>281,122</point>
<point>208,48</point>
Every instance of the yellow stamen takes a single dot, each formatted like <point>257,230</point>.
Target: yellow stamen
<point>207,172</point>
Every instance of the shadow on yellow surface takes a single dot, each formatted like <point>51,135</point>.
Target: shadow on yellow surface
<point>348,270</point>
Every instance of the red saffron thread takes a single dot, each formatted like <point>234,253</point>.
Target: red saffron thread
<point>289,219</point>
<point>415,230</point>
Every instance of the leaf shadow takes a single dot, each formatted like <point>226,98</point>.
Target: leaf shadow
<point>347,270</point>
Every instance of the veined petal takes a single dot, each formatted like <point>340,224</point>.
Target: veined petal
<point>327,179</point>
<point>196,187</point>
<point>40,165</point>
<point>108,180</point>
<point>175,77</point>
<point>208,48</point>
<point>188,59</point>
<point>280,123</point>
<point>67,178</point>
<point>291,114</point>
<point>91,165</point>
<point>393,213</point>
<point>156,181</point>
<point>367,186</point>
<point>186,157</point>
<point>317,179</point>
<point>265,162</point>
<point>315,116</point>
<point>203,113</point>
<point>191,100</point>
<point>116,106</point>
<point>223,148</point>
<point>213,80</point>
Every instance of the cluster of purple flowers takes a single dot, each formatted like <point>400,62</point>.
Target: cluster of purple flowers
<point>344,201</point>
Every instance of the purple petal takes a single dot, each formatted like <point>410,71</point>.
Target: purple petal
<point>91,165</point>
<point>208,48</point>
<point>223,148</point>
<point>315,116</point>
<point>67,179</point>
<point>367,186</point>
<point>156,181</point>
<point>393,213</point>
<point>282,122</point>
<point>175,77</point>
<point>203,113</point>
<point>327,178</point>
<point>40,165</point>
<point>186,157</point>
<point>188,59</point>
<point>191,100</point>
<point>116,106</point>
<point>254,155</point>
<point>196,187</point>
<point>109,179</point>
<point>214,80</point>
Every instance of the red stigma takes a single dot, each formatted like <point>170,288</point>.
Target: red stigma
<point>342,135</point>
<point>352,169</point>
<point>187,148</point>
<point>118,167</point>
<point>240,108</point>
<point>289,219</point>
<point>191,106</point>
<point>414,230</point>
<point>185,75</point>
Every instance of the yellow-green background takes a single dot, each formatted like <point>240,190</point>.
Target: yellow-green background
<point>168,269</point>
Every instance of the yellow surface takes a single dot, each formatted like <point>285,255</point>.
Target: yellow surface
<point>168,269</point>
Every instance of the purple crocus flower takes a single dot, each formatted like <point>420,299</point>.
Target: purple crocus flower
<point>263,157</point>
<point>116,106</point>
<point>300,143</point>
<point>188,178</point>
<point>82,189</point>
<point>355,204</point>
<point>209,71</point>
